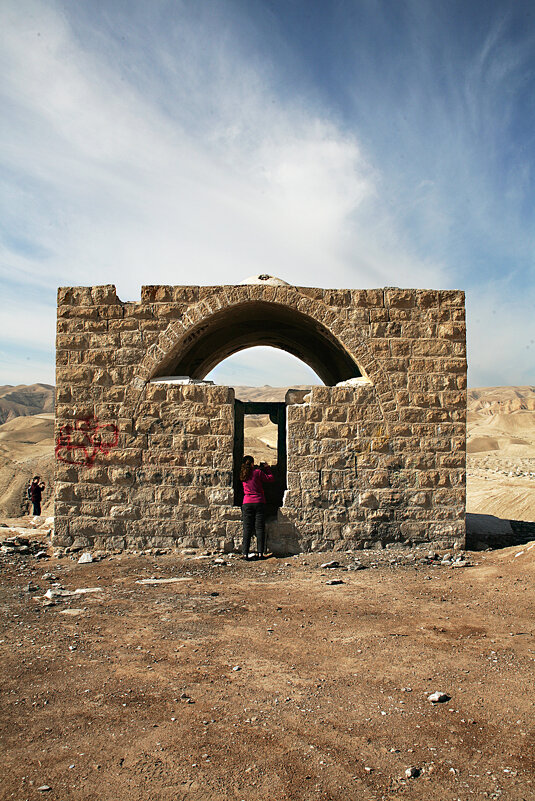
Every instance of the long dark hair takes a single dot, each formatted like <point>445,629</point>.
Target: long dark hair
<point>246,468</point>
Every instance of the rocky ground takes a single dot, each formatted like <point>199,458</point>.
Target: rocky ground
<point>200,676</point>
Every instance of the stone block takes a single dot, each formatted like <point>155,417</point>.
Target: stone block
<point>336,413</point>
<point>169,495</point>
<point>156,294</point>
<point>427,298</point>
<point>310,480</point>
<point>368,500</point>
<point>223,496</point>
<point>452,297</point>
<point>367,298</point>
<point>400,298</point>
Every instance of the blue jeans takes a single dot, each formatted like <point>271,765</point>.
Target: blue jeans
<point>253,519</point>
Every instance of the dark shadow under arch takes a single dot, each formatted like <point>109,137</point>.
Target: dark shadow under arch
<point>259,323</point>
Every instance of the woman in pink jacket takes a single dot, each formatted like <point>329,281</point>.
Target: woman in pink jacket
<point>254,503</point>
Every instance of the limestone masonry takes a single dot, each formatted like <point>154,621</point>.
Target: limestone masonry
<point>375,456</point>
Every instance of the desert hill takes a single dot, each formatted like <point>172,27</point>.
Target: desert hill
<point>26,444</point>
<point>501,400</point>
<point>501,452</point>
<point>266,393</point>
<point>24,400</point>
<point>500,445</point>
<point>26,449</point>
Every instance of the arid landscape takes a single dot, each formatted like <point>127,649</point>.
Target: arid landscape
<point>199,676</point>
<point>500,447</point>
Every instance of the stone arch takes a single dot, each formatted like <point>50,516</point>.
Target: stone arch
<point>235,328</point>
<point>186,342</point>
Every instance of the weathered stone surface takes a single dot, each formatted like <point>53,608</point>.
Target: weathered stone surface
<point>376,462</point>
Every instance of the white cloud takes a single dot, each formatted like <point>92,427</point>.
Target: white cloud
<point>132,193</point>
<point>501,336</point>
<point>25,369</point>
<point>28,323</point>
<point>172,155</point>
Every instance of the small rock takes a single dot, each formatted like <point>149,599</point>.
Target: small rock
<point>44,788</point>
<point>334,563</point>
<point>85,558</point>
<point>412,773</point>
<point>41,555</point>
<point>219,561</point>
<point>438,697</point>
<point>32,587</point>
<point>48,577</point>
<point>236,667</point>
<point>335,581</point>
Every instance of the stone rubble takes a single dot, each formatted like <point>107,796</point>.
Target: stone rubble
<point>438,697</point>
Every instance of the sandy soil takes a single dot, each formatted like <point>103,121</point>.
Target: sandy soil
<point>501,452</point>
<point>26,449</point>
<point>261,681</point>
<point>260,439</point>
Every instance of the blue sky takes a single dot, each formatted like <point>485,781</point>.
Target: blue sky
<point>350,143</point>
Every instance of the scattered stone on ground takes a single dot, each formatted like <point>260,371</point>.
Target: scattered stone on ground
<point>412,773</point>
<point>438,697</point>
<point>333,679</point>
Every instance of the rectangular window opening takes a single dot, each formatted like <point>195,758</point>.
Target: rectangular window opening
<point>260,431</point>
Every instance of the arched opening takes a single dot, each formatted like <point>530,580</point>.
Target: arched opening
<point>264,368</point>
<point>261,377</point>
<point>259,323</point>
<point>237,328</point>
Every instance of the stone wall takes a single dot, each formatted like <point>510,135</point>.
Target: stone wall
<point>378,460</point>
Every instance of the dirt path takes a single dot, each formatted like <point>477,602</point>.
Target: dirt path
<point>259,681</point>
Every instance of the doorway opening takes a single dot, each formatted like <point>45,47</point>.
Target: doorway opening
<point>272,419</point>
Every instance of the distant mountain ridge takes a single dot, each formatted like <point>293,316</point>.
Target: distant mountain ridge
<point>25,399</point>
<point>501,400</point>
<point>266,394</point>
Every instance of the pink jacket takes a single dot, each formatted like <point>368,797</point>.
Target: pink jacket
<point>253,491</point>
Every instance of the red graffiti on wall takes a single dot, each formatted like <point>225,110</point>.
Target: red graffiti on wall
<point>80,441</point>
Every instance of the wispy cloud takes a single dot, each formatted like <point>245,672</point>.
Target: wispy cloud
<point>200,143</point>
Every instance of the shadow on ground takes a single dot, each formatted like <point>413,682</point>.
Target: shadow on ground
<point>487,531</point>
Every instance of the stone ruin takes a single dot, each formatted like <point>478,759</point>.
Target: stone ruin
<point>147,453</point>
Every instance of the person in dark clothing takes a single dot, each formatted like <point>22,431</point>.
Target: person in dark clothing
<point>254,504</point>
<point>35,491</point>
